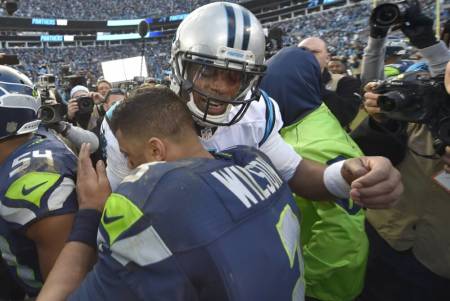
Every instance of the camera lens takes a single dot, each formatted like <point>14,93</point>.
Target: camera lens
<point>84,104</point>
<point>386,104</point>
<point>46,114</point>
<point>386,14</point>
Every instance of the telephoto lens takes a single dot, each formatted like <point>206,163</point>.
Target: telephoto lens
<point>386,15</point>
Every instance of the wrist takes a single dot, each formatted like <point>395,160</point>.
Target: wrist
<point>92,203</point>
<point>85,227</point>
<point>335,182</point>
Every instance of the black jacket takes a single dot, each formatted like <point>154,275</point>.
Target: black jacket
<point>343,102</point>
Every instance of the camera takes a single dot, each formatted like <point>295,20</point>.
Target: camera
<point>10,6</point>
<point>389,14</point>
<point>50,114</point>
<point>415,97</point>
<point>68,80</point>
<point>46,86</point>
<point>85,105</point>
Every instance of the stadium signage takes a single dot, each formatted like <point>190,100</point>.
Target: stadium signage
<point>126,36</point>
<point>123,22</point>
<point>52,38</point>
<point>43,21</point>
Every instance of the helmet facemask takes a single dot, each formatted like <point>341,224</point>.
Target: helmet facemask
<point>213,86</point>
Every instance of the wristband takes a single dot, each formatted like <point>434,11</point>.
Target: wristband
<point>85,227</point>
<point>335,182</point>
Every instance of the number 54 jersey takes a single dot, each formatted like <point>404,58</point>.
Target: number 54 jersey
<point>36,181</point>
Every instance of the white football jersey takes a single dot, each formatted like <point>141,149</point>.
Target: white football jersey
<point>258,128</point>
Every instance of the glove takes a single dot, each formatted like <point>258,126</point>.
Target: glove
<point>420,31</point>
<point>60,127</point>
<point>376,31</point>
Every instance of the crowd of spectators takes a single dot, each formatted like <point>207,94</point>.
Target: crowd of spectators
<point>112,9</point>
<point>89,58</point>
<point>344,29</point>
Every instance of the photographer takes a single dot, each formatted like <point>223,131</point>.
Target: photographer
<point>409,243</point>
<point>103,87</point>
<point>81,109</point>
<point>338,91</point>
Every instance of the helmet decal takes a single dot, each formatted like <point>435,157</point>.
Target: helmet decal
<point>231,25</point>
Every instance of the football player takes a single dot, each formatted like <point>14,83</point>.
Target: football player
<point>197,227</point>
<point>217,66</point>
<point>37,188</point>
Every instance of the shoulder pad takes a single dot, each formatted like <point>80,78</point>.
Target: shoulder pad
<point>126,205</point>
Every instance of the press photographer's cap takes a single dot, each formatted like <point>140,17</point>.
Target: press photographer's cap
<point>78,89</point>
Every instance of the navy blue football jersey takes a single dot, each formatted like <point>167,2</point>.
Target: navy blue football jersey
<point>199,229</point>
<point>37,180</point>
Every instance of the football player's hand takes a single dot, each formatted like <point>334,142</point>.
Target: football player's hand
<point>92,184</point>
<point>375,183</point>
<point>446,159</point>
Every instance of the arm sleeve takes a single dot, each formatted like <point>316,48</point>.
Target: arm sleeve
<point>373,60</point>
<point>437,57</point>
<point>282,155</point>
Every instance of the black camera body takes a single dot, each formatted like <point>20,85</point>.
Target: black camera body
<point>413,97</point>
<point>85,105</point>
<point>51,114</point>
<point>388,14</point>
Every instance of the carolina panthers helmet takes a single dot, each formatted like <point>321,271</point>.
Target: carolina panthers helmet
<point>18,104</point>
<point>218,36</point>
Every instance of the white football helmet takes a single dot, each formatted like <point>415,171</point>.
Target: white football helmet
<point>218,36</point>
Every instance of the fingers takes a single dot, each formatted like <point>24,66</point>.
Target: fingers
<point>97,97</point>
<point>380,170</point>
<point>353,169</point>
<point>371,100</point>
<point>101,171</point>
<point>102,178</point>
<point>371,105</point>
<point>370,86</point>
<point>382,201</point>
<point>84,160</point>
<point>379,189</point>
<point>72,108</point>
